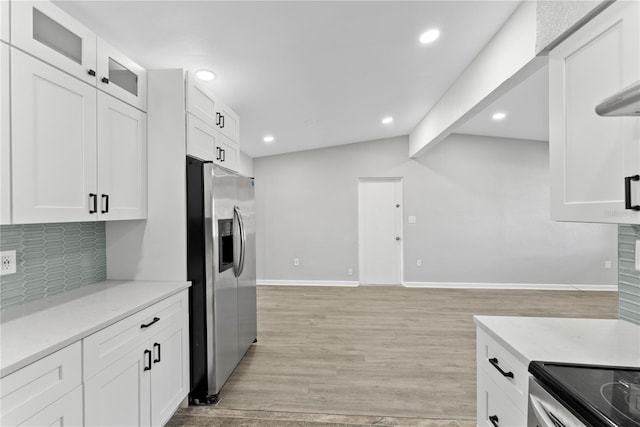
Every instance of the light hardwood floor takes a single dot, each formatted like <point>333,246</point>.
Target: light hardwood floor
<point>399,356</point>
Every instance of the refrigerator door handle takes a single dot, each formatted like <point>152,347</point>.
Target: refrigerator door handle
<point>243,240</point>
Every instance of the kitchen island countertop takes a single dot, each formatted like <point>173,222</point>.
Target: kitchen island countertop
<point>33,330</point>
<point>590,341</point>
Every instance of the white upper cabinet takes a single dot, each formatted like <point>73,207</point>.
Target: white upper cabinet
<point>122,160</point>
<point>54,144</point>
<point>45,31</point>
<point>228,122</point>
<point>203,141</point>
<point>121,77</point>
<point>5,136</point>
<point>203,103</point>
<point>5,18</point>
<point>592,158</point>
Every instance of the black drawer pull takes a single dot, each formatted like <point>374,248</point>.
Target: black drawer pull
<point>157,359</point>
<point>494,362</point>
<point>94,201</point>
<point>105,198</point>
<point>627,192</point>
<point>494,420</point>
<point>147,365</point>
<point>105,80</point>
<point>221,121</point>
<point>223,155</point>
<point>146,325</point>
<point>91,72</point>
<point>217,119</point>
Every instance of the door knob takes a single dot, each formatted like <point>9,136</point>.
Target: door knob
<point>397,237</point>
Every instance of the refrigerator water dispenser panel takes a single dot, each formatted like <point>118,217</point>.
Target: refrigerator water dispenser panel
<point>225,243</point>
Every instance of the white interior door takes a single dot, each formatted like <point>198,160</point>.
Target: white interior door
<point>380,231</point>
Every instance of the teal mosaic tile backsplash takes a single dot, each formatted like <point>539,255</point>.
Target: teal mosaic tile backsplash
<point>52,258</point>
<point>628,277</point>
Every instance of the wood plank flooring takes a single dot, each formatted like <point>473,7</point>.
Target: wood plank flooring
<point>388,352</point>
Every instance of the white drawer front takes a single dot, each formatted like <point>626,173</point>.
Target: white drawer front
<point>34,387</point>
<point>116,341</point>
<point>488,351</point>
<point>495,409</point>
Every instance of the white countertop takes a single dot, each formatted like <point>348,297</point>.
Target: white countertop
<point>591,341</point>
<point>33,330</point>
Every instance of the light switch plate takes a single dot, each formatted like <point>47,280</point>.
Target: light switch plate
<point>637,255</point>
<point>412,219</point>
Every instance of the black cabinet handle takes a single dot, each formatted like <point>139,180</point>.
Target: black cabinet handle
<point>494,362</point>
<point>223,155</point>
<point>156,345</point>
<point>105,80</point>
<point>494,420</point>
<point>105,197</point>
<point>627,192</point>
<point>217,119</point>
<point>147,365</point>
<point>94,202</point>
<point>221,121</point>
<point>91,72</point>
<point>218,153</point>
<point>146,325</point>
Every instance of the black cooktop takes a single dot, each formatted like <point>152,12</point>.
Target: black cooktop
<point>599,395</point>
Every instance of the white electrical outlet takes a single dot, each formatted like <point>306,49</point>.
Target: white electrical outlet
<point>350,272</point>
<point>607,264</point>
<point>419,263</point>
<point>296,261</point>
<point>8,262</point>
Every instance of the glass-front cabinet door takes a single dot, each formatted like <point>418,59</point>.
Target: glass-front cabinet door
<point>121,77</point>
<point>51,35</point>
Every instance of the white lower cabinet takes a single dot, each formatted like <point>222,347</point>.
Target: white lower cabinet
<point>495,409</point>
<point>136,371</point>
<point>502,385</point>
<point>118,395</point>
<point>46,392</point>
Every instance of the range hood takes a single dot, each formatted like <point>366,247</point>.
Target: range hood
<point>623,103</point>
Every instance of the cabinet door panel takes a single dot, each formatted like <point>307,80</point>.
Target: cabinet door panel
<point>54,143</point>
<point>5,134</point>
<point>230,154</point>
<point>125,79</point>
<point>28,390</point>
<point>122,154</point>
<point>4,21</point>
<point>201,102</point>
<point>494,405</point>
<point>169,379</point>
<point>119,395</point>
<point>202,140</point>
<point>590,155</point>
<point>64,412</point>
<point>48,33</point>
<point>229,122</point>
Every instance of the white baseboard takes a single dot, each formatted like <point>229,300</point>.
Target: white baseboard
<point>306,283</point>
<point>531,286</point>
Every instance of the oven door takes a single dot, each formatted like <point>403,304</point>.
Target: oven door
<point>546,411</point>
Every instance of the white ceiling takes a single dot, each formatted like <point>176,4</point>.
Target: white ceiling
<point>526,107</point>
<point>310,73</point>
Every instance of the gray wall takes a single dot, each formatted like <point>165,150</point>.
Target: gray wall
<point>482,208</point>
<point>51,258</point>
<point>629,284</point>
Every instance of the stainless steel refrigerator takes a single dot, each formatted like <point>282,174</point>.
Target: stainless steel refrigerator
<point>221,264</point>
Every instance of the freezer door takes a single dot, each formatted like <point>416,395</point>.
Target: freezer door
<point>222,290</point>
<point>247,278</point>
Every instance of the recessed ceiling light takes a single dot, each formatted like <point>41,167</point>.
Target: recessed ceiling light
<point>205,75</point>
<point>387,120</point>
<point>499,116</point>
<point>429,36</point>
<point>268,139</point>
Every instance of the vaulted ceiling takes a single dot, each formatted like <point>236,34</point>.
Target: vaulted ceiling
<point>310,73</point>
